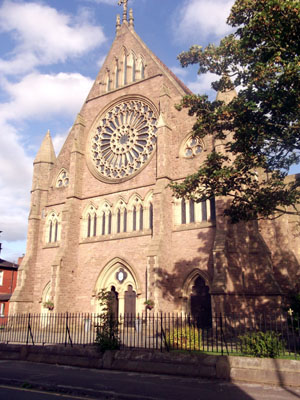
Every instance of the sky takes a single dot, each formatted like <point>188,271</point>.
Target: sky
<point>50,54</point>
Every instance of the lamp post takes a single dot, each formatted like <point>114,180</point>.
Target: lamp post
<point>0,243</point>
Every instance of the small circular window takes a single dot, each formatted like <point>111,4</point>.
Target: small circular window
<point>192,147</point>
<point>62,179</point>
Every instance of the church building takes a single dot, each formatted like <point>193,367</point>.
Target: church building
<point>102,214</point>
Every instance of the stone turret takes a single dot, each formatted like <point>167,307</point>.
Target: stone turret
<point>42,166</point>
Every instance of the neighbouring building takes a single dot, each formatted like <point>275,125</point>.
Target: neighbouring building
<point>102,214</point>
<point>8,280</point>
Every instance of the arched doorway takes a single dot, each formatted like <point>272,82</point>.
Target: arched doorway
<point>200,303</point>
<point>119,278</point>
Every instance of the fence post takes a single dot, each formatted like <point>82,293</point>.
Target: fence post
<point>29,331</point>
<point>68,331</point>
<point>221,327</point>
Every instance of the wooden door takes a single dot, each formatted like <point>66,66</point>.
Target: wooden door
<point>201,304</point>
<point>114,301</point>
<point>130,305</point>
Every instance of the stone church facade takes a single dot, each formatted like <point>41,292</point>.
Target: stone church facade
<point>103,217</point>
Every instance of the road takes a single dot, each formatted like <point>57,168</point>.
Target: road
<point>29,381</point>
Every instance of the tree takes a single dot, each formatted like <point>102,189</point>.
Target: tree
<point>258,131</point>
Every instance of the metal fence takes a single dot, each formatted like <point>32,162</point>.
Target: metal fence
<point>221,333</point>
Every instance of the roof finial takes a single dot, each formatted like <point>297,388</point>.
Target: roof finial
<point>124,2</point>
<point>131,19</point>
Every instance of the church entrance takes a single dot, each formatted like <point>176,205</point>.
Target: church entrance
<point>200,302</point>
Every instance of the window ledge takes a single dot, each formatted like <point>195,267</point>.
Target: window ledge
<point>116,236</point>
<point>196,225</point>
<point>51,245</point>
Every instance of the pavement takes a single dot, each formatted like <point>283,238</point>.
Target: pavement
<point>33,381</point>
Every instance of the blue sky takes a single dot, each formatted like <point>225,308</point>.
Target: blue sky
<point>50,53</point>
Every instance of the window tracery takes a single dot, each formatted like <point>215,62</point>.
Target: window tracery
<point>62,179</point>
<point>192,147</point>
<point>90,222</point>
<point>189,211</point>
<point>124,140</point>
<point>52,228</point>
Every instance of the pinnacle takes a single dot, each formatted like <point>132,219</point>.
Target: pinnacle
<point>46,152</point>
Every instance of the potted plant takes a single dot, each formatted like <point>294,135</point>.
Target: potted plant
<point>149,304</point>
<point>48,304</point>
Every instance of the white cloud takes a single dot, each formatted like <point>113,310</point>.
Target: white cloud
<point>202,18</point>
<point>15,182</point>
<point>178,71</point>
<point>35,96</point>
<point>109,2</point>
<point>38,95</point>
<point>43,36</point>
<point>203,85</point>
<point>58,140</point>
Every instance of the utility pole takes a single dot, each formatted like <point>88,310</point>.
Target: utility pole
<point>0,243</point>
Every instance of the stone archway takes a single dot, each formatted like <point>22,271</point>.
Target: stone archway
<point>197,296</point>
<point>200,303</point>
<point>119,277</point>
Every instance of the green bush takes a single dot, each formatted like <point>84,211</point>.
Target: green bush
<point>107,337</point>
<point>185,337</point>
<point>261,344</point>
<point>107,340</point>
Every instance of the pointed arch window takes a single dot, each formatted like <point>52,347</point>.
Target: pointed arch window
<point>151,216</point>
<point>53,228</point>
<point>103,223</point>
<point>109,222</point>
<point>134,219</point>
<point>192,210</point>
<point>141,218</point>
<point>125,221</point>
<point>89,226</point>
<point>125,67</point>
<point>204,210</point>
<point>62,179</point>
<point>183,211</point>
<point>95,225</point>
<point>56,231</point>
<point>119,221</point>
<point>50,232</point>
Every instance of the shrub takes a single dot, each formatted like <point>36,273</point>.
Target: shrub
<point>107,336</point>
<point>186,337</point>
<point>261,344</point>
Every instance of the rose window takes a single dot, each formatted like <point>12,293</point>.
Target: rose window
<point>124,140</point>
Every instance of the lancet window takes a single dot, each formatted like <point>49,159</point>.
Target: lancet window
<point>189,211</point>
<point>126,68</point>
<point>106,219</point>
<point>52,228</point>
<point>121,214</point>
<point>137,210</point>
<point>90,222</point>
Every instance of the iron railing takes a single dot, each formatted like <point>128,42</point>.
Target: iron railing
<point>164,331</point>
